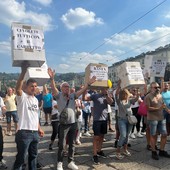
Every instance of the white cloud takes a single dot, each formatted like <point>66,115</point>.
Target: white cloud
<point>5,48</point>
<point>167,15</point>
<point>77,62</point>
<point>80,17</point>
<point>13,11</point>
<point>44,2</point>
<point>136,41</point>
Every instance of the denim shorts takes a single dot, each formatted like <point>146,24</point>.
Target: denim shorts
<point>100,127</point>
<point>12,114</point>
<point>156,126</point>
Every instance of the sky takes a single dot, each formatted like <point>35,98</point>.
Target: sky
<point>79,32</point>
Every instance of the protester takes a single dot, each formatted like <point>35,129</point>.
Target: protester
<point>124,102</point>
<point>11,110</point>
<point>3,110</point>
<point>100,116</point>
<point>54,122</point>
<point>134,107</point>
<point>68,124</point>
<point>86,116</point>
<point>47,104</point>
<point>166,99</point>
<point>156,120</point>
<point>28,125</point>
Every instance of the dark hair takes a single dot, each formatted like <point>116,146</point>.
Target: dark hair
<point>30,81</point>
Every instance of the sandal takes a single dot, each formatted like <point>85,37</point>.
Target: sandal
<point>127,153</point>
<point>119,156</point>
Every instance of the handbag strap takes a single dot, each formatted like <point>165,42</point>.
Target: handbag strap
<point>124,108</point>
<point>66,104</point>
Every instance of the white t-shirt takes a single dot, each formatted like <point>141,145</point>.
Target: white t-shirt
<point>55,111</point>
<point>136,104</point>
<point>27,109</point>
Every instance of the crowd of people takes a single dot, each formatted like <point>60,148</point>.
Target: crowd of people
<point>66,108</point>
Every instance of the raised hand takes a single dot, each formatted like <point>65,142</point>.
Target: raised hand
<point>51,73</point>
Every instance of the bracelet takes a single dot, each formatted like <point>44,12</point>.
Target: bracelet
<point>88,84</point>
<point>51,78</point>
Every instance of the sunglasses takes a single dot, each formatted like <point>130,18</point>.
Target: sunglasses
<point>157,87</point>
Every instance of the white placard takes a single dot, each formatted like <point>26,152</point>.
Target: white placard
<point>101,73</point>
<point>158,67</point>
<point>28,38</point>
<point>135,73</point>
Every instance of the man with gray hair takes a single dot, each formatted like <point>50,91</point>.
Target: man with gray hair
<point>156,121</point>
<point>68,125</point>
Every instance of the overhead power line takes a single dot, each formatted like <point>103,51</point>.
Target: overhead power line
<point>132,23</point>
<point>141,46</point>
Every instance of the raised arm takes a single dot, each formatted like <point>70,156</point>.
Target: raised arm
<point>53,86</point>
<point>82,90</point>
<point>21,78</point>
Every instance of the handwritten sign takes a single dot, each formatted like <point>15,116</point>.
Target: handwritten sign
<point>101,73</point>
<point>158,67</point>
<point>28,38</point>
<point>135,73</point>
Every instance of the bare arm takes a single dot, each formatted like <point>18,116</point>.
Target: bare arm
<point>53,86</point>
<point>21,79</point>
<point>81,91</point>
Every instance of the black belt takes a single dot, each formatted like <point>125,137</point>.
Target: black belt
<point>29,131</point>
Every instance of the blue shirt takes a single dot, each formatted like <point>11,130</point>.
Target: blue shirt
<point>166,98</point>
<point>47,100</point>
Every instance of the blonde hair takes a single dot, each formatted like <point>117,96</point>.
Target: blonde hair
<point>123,93</point>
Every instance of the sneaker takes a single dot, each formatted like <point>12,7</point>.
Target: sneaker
<point>155,155</point>
<point>133,136</point>
<point>126,153</point>
<point>143,133</point>
<point>72,166</point>
<point>60,166</point>
<point>87,134</point>
<point>101,154</point>
<point>95,160</point>
<point>50,147</point>
<point>2,165</point>
<point>164,154</point>
<point>104,140</point>
<point>119,156</point>
<point>139,135</point>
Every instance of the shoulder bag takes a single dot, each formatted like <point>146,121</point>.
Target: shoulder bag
<point>131,118</point>
<point>64,114</point>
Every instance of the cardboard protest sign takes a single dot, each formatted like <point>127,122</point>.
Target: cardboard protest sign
<point>101,73</point>
<point>130,74</point>
<point>27,45</point>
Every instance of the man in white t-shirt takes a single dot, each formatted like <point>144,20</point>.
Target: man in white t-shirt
<point>28,126</point>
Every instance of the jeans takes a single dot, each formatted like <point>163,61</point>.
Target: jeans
<point>124,129</point>
<point>86,116</point>
<point>12,114</point>
<point>68,131</point>
<point>1,143</point>
<point>27,141</point>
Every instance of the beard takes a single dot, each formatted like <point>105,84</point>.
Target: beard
<point>157,92</point>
